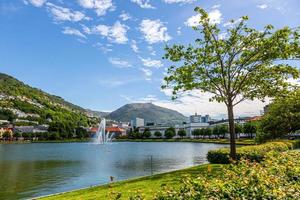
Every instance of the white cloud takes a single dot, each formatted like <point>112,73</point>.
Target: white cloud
<point>143,3</point>
<point>103,47</point>
<point>152,51</point>
<point>115,33</point>
<point>134,46</point>
<point>100,6</point>
<point>147,73</point>
<point>36,3</point>
<point>196,101</point>
<point>119,62</point>
<point>65,14</point>
<point>262,6</point>
<point>179,1</point>
<point>215,17</point>
<point>232,23</point>
<point>179,31</point>
<point>73,31</point>
<point>125,16</point>
<point>148,62</point>
<point>154,31</point>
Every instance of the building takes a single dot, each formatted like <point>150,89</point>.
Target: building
<point>199,118</point>
<point>137,122</point>
<point>116,131</point>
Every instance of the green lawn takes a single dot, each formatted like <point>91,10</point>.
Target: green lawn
<point>147,185</point>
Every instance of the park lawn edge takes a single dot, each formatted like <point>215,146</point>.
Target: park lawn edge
<point>119,186</point>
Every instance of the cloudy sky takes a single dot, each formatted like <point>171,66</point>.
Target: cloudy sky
<point>102,54</point>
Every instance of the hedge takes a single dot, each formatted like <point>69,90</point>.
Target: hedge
<point>252,153</point>
<point>276,177</point>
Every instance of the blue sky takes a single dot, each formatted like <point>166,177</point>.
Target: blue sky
<point>102,54</point>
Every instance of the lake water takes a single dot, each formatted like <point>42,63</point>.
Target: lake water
<point>30,170</point>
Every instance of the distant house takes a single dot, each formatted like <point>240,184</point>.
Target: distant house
<point>24,129</point>
<point>116,131</point>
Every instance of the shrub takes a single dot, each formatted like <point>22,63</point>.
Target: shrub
<point>277,177</point>
<point>252,153</point>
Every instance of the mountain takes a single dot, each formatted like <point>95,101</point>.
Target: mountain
<point>25,104</point>
<point>149,112</point>
<point>94,113</point>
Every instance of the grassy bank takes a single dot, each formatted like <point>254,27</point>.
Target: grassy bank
<point>217,141</point>
<point>146,185</point>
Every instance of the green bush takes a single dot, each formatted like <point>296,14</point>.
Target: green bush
<point>277,177</point>
<point>252,153</point>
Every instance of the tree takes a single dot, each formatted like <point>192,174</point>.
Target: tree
<point>17,135</point>
<point>207,132</point>
<point>196,133</point>
<point>250,128</point>
<point>170,132</point>
<point>238,129</point>
<point>146,133</point>
<point>6,135</point>
<point>245,64</point>
<point>181,133</point>
<point>157,134</point>
<point>80,132</point>
<point>283,116</point>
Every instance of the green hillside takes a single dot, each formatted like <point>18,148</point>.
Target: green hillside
<point>25,103</point>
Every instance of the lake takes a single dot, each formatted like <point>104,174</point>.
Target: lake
<point>30,170</point>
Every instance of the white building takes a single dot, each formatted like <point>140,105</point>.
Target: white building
<point>137,122</point>
<point>199,118</point>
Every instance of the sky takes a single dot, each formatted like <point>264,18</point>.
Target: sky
<point>102,54</point>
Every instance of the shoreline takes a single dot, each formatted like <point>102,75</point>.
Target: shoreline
<point>213,141</point>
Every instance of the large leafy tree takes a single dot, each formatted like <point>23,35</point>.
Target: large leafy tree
<point>245,64</point>
<point>282,117</point>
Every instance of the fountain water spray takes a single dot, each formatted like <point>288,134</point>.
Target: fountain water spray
<point>101,136</point>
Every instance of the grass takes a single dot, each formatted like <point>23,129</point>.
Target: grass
<point>217,141</point>
<point>147,185</point>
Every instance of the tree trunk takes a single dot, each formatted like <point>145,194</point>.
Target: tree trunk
<point>231,131</point>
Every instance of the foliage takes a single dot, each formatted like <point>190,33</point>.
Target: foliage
<point>246,64</point>
<point>7,115</point>
<point>250,128</point>
<point>252,153</point>
<point>181,133</point>
<point>277,177</point>
<point>282,118</point>
<point>157,134</point>
<point>170,132</point>
<point>146,133</point>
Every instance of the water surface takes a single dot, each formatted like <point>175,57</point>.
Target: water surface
<point>30,170</point>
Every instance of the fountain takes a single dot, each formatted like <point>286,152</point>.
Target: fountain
<point>101,136</point>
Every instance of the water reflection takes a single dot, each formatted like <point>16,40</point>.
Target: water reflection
<point>29,170</point>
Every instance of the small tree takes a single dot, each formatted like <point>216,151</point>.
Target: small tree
<point>196,133</point>
<point>146,133</point>
<point>238,129</point>
<point>157,134</point>
<point>207,132</point>
<point>246,64</point>
<point>6,135</point>
<point>250,129</point>
<point>170,133</point>
<point>181,133</point>
<point>17,135</point>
